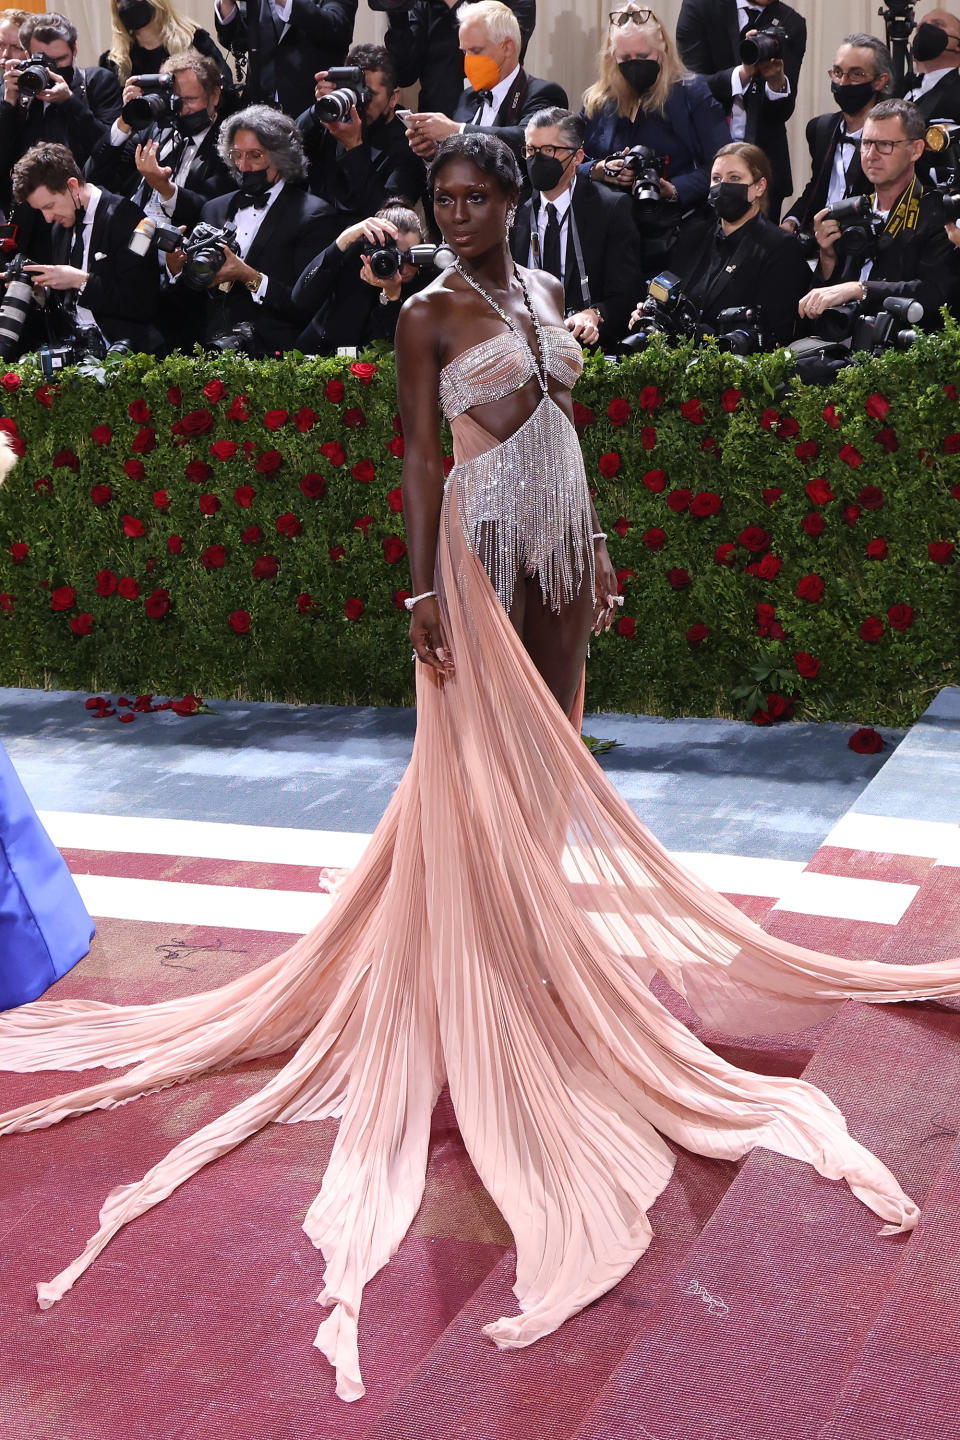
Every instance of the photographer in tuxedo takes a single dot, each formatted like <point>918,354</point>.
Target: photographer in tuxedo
<point>103,282</point>
<point>859,80</point>
<point>423,39</point>
<point>285,43</point>
<point>356,163</point>
<point>171,167</point>
<point>758,98</point>
<point>500,96</point>
<point>936,60</point>
<point>581,232</point>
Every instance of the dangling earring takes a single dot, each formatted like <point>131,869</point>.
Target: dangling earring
<point>511,215</point>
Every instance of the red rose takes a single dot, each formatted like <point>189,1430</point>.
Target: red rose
<point>7,602</point>
<point>609,464</point>
<point>132,527</point>
<point>223,449</point>
<point>304,602</point>
<point>709,445</point>
<point>754,539</point>
<point>101,494</point>
<point>697,633</point>
<point>876,406</point>
<point>353,609</point>
<point>144,441</point>
<point>101,434</point>
<point>334,452</point>
<point>11,381</point>
<point>888,442</point>
<point>865,741</point>
<point>679,579</point>
<point>354,419</point>
<point>161,500</point>
<point>106,582</point>
<point>648,436</point>
<point>173,395</point>
<point>364,371</point>
<point>305,419</point>
<point>19,550</point>
<point>139,411</point>
<point>955,492</point>
<point>813,524</point>
<point>238,409</point>
<point>621,526</point>
<point>399,596</point>
<point>900,617</point>
<point>240,621</point>
<point>128,588</point>
<point>819,491</point>
<point>655,539</point>
<point>771,495</point>
<point>679,500</point>
<point>333,391</point>
<point>831,417</point>
<point>251,536</point>
<point>807,450</point>
<point>275,419</point>
<point>397,447</point>
<point>807,665</point>
<point>940,550</point>
<point>778,706</point>
<point>951,445</point>
<point>135,469</point>
<point>810,588</point>
<point>871,629</point>
<point>82,624</point>
<point>195,422</point>
<point>336,553</point>
<point>625,576</point>
<point>198,471</point>
<point>44,395</point>
<point>705,503</point>
<point>730,399</point>
<point>157,603</point>
<point>763,613</point>
<point>871,497</point>
<point>363,471</point>
<point>393,549</point>
<point>214,390</point>
<point>45,484</point>
<point>189,705</point>
<point>655,480</point>
<point>951,391</point>
<point>288,525</point>
<point>214,557</point>
<point>768,419</point>
<point>363,524</point>
<point>582,415</point>
<point>766,569</point>
<point>265,567</point>
<point>62,597</point>
<point>851,513</point>
<point>209,504</point>
<point>649,398</point>
<point>725,554</point>
<point>692,410</point>
<point>313,486</point>
<point>395,500</point>
<point>244,496</point>
<point>626,627</point>
<point>142,704</point>
<point>618,411</point>
<point>269,462</point>
<point>850,456</point>
<point>788,427</point>
<point>65,459</point>
<point>175,544</point>
<point>877,549</point>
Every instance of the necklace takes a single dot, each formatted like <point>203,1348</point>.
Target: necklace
<point>539,363</point>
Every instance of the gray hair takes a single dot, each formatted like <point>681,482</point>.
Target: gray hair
<point>571,126</point>
<point>278,134</point>
<point>499,19</point>
<point>882,59</point>
<point>912,121</point>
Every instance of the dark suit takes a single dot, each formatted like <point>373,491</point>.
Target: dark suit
<point>424,43</point>
<point>822,134</point>
<point>920,264</point>
<point>357,181</point>
<point>123,291</point>
<point>525,97</point>
<point>78,123</point>
<point>610,247</point>
<point>708,38</point>
<point>758,266</point>
<point>294,230</point>
<point>115,166</point>
<point>283,59</point>
<point>942,101</point>
<point>345,309</point>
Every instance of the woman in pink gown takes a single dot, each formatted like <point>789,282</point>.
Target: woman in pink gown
<point>500,930</point>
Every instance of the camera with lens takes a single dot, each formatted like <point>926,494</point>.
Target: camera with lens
<point>942,154</point>
<point>387,259</point>
<point>203,253</point>
<point>646,167</point>
<point>894,328</point>
<point>241,340</point>
<point>860,226</point>
<point>665,311</point>
<point>32,77</point>
<point>352,90</point>
<point>158,234</point>
<point>765,45</point>
<point>739,331</point>
<point>158,101</point>
<point>15,305</point>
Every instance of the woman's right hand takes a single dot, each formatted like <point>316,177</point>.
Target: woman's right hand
<point>378,232</point>
<point>427,637</point>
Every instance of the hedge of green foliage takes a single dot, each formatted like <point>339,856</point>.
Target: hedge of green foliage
<point>234,527</point>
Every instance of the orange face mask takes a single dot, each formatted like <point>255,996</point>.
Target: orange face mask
<point>482,71</point>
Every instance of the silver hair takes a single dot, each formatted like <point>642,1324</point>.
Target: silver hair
<point>278,134</point>
<point>882,59</point>
<point>499,19</point>
<point>571,126</point>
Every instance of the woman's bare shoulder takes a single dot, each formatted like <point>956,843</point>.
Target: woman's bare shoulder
<point>545,290</point>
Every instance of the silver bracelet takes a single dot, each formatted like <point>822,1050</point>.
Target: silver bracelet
<point>411,600</point>
<point>600,535</point>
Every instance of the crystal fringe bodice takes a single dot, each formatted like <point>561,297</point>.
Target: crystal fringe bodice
<point>496,367</point>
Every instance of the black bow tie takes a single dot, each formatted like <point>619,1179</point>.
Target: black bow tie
<point>242,202</point>
<point>845,139</point>
<point>481,97</point>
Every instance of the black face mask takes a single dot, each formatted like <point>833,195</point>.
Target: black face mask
<point>640,75</point>
<point>729,199</point>
<point>852,98</point>
<point>193,124</point>
<point>254,182</point>
<point>135,14</point>
<point>545,171</point>
<point>64,71</point>
<point>929,42</point>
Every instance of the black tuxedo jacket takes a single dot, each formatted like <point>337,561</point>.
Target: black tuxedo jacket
<point>123,291</point>
<point>708,38</point>
<point>357,181</point>
<point>822,132</point>
<point>78,123</point>
<point>920,264</point>
<point>610,246</point>
<point>942,101</point>
<point>115,167</point>
<point>282,60</point>
<point>294,230</point>
<point>525,97</point>
<point>425,45</point>
<point>345,310</point>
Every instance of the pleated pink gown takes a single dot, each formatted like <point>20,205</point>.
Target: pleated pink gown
<point>462,951</point>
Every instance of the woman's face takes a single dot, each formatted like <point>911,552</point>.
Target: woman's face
<point>636,42</point>
<point>470,208</point>
<point>734,168</point>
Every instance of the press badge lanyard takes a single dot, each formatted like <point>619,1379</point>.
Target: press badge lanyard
<point>574,235</point>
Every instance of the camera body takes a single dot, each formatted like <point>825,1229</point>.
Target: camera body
<point>665,311</point>
<point>860,226</point>
<point>387,259</point>
<point>647,167</point>
<point>15,305</point>
<point>203,253</point>
<point>893,328</point>
<point>352,90</point>
<point>32,77</point>
<point>739,331</point>
<point>155,233</point>
<point>158,102</point>
<point>765,45</point>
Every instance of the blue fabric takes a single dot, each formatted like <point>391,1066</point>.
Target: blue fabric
<point>44,925</point>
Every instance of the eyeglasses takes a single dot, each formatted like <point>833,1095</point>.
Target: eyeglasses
<point>255,155</point>
<point>552,152</point>
<point>882,147</point>
<point>856,76</point>
<point>630,15</point>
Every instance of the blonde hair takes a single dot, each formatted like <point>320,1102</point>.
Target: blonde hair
<point>757,163</point>
<point>612,87</point>
<point>499,19</point>
<point>176,34</point>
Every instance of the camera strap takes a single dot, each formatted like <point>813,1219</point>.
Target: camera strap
<point>570,220</point>
<point>905,215</point>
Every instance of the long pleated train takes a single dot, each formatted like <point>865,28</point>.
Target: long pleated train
<point>498,934</point>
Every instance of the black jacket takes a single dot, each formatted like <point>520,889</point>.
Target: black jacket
<point>294,230</point>
<point>78,123</point>
<point>822,133</point>
<point>942,101</point>
<point>123,291</point>
<point>610,247</point>
<point>282,61</point>
<point>525,97</point>
<point>920,264</point>
<point>345,310</point>
<point>115,167</point>
<point>759,266</point>
<point>708,38</point>
<point>357,181</point>
<point>424,43</point>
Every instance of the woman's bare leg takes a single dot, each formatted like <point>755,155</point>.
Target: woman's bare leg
<point>557,644</point>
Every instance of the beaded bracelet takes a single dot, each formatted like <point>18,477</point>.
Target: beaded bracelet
<point>412,599</point>
<point>600,535</point>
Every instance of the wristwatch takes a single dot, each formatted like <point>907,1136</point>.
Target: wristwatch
<point>254,283</point>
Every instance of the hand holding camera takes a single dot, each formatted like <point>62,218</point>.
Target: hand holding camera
<point>761,53</point>
<point>26,80</point>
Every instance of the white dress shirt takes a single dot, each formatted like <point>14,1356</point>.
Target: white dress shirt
<point>85,316</point>
<point>248,222</point>
<point>843,157</point>
<point>562,206</point>
<point>488,110</point>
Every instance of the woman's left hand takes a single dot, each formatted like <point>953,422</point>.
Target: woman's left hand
<point>606,587</point>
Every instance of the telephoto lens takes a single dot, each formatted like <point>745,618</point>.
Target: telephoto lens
<point>158,101</point>
<point>14,307</point>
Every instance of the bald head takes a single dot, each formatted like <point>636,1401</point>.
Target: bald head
<point>926,41</point>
